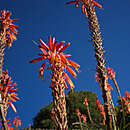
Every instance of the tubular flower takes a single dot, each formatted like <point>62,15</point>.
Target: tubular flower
<point>97,77</point>
<point>17,122</point>
<point>8,91</point>
<point>109,87</point>
<point>111,73</point>
<point>101,109</point>
<point>84,3</point>
<point>8,29</point>
<point>54,54</point>
<point>83,117</point>
<point>78,112</point>
<point>86,101</point>
<point>126,102</point>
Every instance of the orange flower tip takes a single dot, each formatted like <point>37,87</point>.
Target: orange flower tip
<point>10,45</point>
<point>96,4</point>
<point>75,75</point>
<point>67,55</point>
<point>77,70</point>
<point>76,5</point>
<point>53,40</point>
<point>14,20</point>
<point>12,106</point>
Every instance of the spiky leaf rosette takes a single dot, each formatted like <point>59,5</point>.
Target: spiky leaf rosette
<point>7,28</point>
<point>8,91</point>
<point>52,55</point>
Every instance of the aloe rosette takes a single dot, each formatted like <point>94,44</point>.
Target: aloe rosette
<point>53,56</point>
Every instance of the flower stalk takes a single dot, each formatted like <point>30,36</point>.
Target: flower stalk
<point>100,69</point>
<point>79,117</point>
<point>57,86</point>
<point>87,8</point>
<point>58,65</point>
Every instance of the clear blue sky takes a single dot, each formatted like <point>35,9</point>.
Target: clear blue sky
<point>39,18</point>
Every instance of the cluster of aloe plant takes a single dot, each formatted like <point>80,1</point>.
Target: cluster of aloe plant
<point>8,90</point>
<point>59,64</point>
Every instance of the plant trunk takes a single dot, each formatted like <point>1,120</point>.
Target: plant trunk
<point>2,48</point>
<point>60,115</point>
<point>80,122</point>
<point>101,69</point>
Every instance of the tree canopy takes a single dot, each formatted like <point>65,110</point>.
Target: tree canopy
<point>74,100</point>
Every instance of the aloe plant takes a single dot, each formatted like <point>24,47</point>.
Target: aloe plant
<point>7,36</point>
<point>53,56</point>
<point>88,8</point>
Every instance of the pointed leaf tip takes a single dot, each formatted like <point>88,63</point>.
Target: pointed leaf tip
<point>35,43</point>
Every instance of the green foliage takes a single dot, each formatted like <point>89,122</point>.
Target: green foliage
<point>43,118</point>
<point>74,100</point>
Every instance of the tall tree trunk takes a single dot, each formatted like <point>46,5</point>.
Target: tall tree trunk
<point>2,48</point>
<point>101,69</point>
<point>60,115</point>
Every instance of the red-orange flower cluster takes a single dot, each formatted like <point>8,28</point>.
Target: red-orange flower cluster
<point>78,112</point>
<point>84,3</point>
<point>83,117</point>
<point>101,109</point>
<point>126,102</point>
<point>86,101</point>
<point>110,72</point>
<point>97,77</point>
<point>53,113</point>
<point>17,122</point>
<point>7,88</point>
<point>109,87</point>
<point>54,54</point>
<point>8,29</point>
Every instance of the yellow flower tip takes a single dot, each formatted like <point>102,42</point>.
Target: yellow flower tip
<point>76,5</point>
<point>75,76</point>
<point>77,70</point>
<point>100,6</point>
<point>10,45</point>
